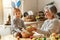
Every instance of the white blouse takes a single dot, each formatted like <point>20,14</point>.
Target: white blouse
<point>51,26</point>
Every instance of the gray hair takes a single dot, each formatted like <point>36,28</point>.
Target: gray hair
<point>51,8</point>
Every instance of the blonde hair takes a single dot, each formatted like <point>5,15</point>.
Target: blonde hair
<point>17,10</point>
<point>51,8</point>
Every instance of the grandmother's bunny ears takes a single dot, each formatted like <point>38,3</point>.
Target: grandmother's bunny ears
<point>17,4</point>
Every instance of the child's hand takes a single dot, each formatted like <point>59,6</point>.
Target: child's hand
<point>22,29</point>
<point>33,31</point>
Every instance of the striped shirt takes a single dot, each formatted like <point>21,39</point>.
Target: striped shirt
<point>18,24</point>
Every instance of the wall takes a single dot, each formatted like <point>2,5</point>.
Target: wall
<point>42,3</point>
<point>36,5</point>
<point>30,5</point>
<point>1,13</point>
<point>57,3</point>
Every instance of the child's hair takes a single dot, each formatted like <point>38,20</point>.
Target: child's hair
<point>17,10</point>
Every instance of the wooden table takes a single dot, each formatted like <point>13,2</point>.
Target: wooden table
<point>11,37</point>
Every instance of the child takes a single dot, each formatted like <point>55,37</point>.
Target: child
<point>18,24</point>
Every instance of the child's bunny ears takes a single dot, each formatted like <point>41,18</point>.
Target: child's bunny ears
<point>16,4</point>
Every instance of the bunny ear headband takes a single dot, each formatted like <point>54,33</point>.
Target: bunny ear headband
<point>18,3</point>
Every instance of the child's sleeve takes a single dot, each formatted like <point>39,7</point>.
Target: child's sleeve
<point>23,25</point>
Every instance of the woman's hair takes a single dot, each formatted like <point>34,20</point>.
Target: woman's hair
<point>52,8</point>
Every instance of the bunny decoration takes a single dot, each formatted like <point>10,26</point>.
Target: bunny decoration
<point>14,4</point>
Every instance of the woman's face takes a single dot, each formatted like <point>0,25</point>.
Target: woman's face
<point>48,14</point>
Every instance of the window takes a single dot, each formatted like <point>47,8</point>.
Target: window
<point>7,8</point>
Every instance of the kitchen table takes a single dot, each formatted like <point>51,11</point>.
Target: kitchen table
<point>11,37</point>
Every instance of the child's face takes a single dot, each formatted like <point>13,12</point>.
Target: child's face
<point>18,14</point>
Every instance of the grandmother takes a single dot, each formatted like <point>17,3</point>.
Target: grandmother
<point>51,25</point>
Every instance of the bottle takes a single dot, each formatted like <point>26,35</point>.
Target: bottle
<point>44,38</point>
